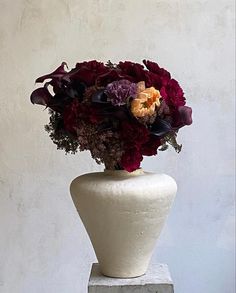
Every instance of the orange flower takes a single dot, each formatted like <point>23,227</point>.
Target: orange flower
<point>146,102</point>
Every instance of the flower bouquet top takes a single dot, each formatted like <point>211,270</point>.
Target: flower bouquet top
<point>119,112</point>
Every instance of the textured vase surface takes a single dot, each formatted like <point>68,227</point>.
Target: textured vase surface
<point>123,214</point>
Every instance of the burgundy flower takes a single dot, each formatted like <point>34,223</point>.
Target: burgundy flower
<point>153,79</point>
<point>173,94</point>
<point>57,103</point>
<point>133,134</point>
<point>70,116</point>
<point>110,76</point>
<point>163,74</point>
<point>87,72</point>
<point>92,65</point>
<point>90,110</point>
<point>181,117</point>
<point>186,115</point>
<point>56,74</point>
<point>89,114</point>
<point>131,160</point>
<point>151,146</point>
<point>41,96</point>
<point>76,112</point>
<point>56,78</point>
<point>134,70</point>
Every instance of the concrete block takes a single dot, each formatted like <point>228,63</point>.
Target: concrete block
<point>156,280</point>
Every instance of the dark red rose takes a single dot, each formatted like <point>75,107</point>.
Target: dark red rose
<point>151,146</point>
<point>173,94</point>
<point>131,160</point>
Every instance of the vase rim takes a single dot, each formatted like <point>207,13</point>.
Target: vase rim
<point>124,172</point>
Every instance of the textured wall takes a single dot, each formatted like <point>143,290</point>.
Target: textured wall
<point>43,245</point>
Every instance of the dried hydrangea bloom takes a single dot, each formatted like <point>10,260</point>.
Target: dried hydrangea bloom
<point>89,92</point>
<point>119,91</point>
<point>147,120</point>
<point>105,146</point>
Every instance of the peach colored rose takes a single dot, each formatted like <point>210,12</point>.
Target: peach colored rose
<point>146,102</point>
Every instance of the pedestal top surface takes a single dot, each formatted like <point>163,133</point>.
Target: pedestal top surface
<point>156,274</point>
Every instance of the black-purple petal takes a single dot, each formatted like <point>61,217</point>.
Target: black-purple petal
<point>41,96</point>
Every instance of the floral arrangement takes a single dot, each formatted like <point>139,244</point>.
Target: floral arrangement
<point>119,112</point>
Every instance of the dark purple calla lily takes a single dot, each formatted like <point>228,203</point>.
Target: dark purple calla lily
<point>41,96</point>
<point>185,115</point>
<point>58,73</point>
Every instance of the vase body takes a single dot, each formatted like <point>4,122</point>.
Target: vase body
<point>123,214</point>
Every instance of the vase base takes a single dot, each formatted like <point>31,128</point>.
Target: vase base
<point>114,276</point>
<point>122,273</point>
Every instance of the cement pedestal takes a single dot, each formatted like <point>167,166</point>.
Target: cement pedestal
<point>156,280</point>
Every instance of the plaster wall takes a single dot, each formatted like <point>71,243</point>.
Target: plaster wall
<point>43,245</point>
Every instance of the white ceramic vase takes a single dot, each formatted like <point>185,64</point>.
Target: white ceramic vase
<point>123,214</point>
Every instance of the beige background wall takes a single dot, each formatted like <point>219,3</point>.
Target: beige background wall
<point>43,245</point>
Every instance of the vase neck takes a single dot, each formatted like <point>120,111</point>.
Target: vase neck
<point>123,173</point>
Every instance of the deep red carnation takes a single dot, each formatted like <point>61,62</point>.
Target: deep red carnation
<point>151,146</point>
<point>77,111</point>
<point>153,79</point>
<point>93,65</point>
<point>87,72</point>
<point>173,94</point>
<point>135,71</point>
<point>89,113</point>
<point>162,73</point>
<point>133,134</point>
<point>70,116</point>
<point>131,160</point>
<point>110,76</point>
